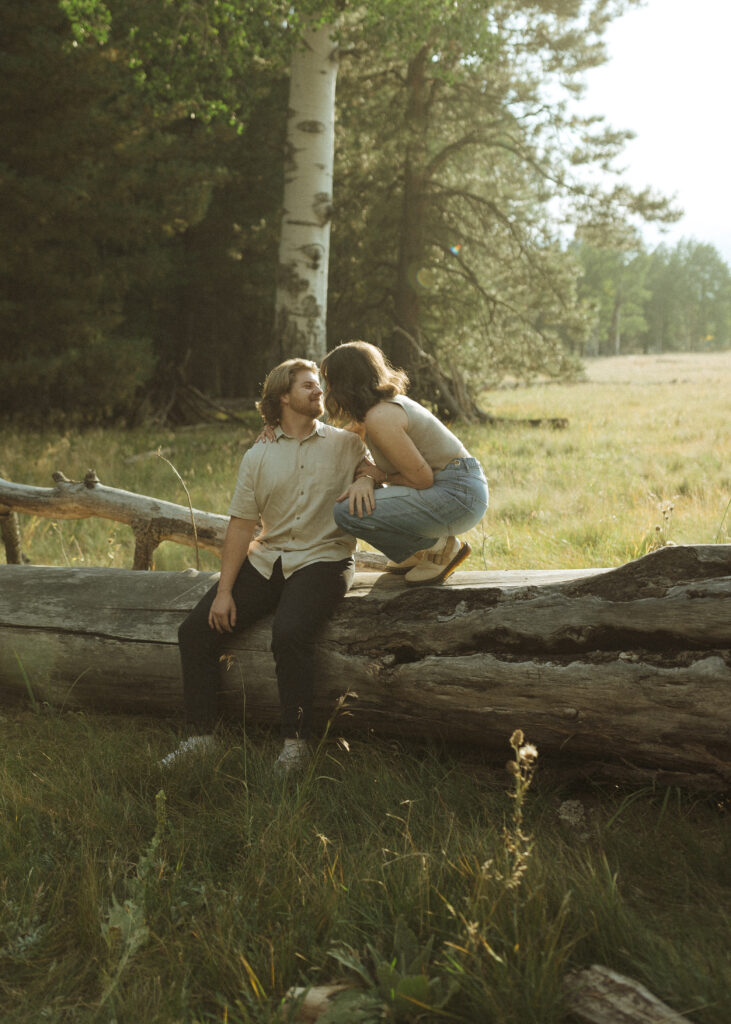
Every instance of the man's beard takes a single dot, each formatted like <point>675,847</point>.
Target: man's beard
<point>307,406</point>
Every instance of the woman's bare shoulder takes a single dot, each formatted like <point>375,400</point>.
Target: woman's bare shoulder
<point>386,414</point>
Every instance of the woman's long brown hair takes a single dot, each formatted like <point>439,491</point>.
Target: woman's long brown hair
<point>358,376</point>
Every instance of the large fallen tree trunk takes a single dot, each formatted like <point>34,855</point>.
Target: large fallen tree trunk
<point>630,666</point>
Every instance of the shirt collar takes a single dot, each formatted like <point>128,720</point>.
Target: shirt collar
<point>319,429</point>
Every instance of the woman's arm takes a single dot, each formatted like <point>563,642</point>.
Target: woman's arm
<point>387,423</point>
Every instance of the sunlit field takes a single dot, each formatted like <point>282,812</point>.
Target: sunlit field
<point>646,458</point>
<point>442,886</point>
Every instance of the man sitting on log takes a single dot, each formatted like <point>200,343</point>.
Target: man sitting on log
<point>299,566</point>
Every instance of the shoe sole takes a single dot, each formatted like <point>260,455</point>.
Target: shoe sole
<point>464,553</point>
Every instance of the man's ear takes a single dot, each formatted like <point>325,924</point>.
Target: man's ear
<point>284,399</point>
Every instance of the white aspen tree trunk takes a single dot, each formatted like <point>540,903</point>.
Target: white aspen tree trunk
<point>304,249</point>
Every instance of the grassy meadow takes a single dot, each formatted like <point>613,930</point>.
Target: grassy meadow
<point>444,888</point>
<point>644,459</point>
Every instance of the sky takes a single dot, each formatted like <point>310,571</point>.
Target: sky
<point>668,81</point>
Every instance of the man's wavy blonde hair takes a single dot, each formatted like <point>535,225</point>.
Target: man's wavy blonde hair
<point>279,382</point>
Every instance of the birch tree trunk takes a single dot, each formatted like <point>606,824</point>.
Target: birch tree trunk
<point>304,249</point>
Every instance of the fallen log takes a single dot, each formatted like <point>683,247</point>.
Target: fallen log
<point>628,667</point>
<point>151,520</point>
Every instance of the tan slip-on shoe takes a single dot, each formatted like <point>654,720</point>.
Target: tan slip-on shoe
<point>398,568</point>
<point>408,563</point>
<point>436,566</point>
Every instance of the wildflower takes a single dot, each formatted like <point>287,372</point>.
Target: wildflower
<point>528,752</point>
<point>517,739</point>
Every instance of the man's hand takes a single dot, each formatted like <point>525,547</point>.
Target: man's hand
<point>222,616</point>
<point>360,496</point>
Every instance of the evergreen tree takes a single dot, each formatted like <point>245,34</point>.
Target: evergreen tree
<point>111,278</point>
<point>613,284</point>
<point>459,157</point>
<point>689,303</point>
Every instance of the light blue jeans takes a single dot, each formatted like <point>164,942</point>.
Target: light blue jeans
<point>406,520</point>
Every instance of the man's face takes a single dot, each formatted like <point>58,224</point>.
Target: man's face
<point>305,395</point>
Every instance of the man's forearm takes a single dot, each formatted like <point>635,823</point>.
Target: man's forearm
<point>239,534</point>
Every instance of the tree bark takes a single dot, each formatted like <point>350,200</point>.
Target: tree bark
<point>412,273</point>
<point>304,250</point>
<point>10,533</point>
<point>629,667</point>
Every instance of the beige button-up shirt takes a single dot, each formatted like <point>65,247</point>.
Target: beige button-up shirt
<point>292,486</point>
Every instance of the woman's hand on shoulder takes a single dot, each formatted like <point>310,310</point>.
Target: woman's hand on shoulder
<point>266,434</point>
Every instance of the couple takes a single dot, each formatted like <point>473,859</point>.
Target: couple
<point>315,489</point>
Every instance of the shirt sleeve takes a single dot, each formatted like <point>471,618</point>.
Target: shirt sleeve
<point>243,503</point>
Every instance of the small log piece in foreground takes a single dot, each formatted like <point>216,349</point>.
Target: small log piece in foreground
<point>629,667</point>
<point>599,995</point>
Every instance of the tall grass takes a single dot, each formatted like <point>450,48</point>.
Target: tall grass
<point>443,887</point>
<point>416,867</point>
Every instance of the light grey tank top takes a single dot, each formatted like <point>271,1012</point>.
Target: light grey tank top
<point>436,442</point>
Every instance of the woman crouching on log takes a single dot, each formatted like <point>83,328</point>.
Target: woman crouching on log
<point>434,489</point>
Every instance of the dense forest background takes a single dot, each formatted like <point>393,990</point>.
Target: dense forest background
<point>142,163</point>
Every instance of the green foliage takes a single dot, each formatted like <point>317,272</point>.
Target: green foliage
<point>142,161</point>
<point>668,300</point>
<point>458,131</point>
<point>135,229</point>
<point>191,59</point>
<point>402,987</point>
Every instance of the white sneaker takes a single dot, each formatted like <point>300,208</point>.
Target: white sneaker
<point>193,745</point>
<point>294,757</point>
<point>439,561</point>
